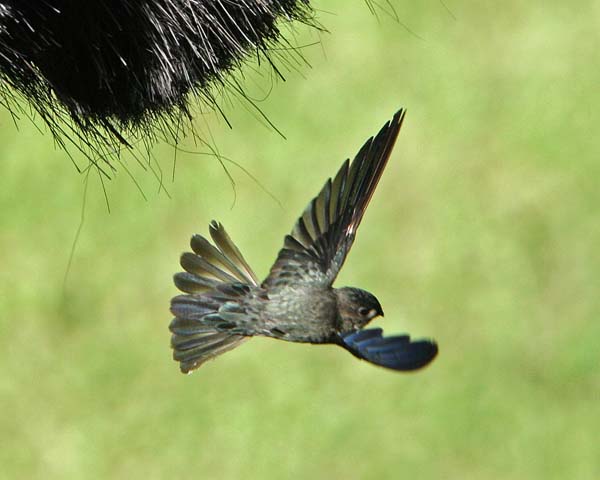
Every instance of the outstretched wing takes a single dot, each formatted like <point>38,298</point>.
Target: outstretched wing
<point>317,247</point>
<point>210,266</point>
<point>397,352</point>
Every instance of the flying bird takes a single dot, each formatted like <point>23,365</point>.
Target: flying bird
<point>225,303</point>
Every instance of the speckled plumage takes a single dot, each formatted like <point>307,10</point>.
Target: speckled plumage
<point>224,304</point>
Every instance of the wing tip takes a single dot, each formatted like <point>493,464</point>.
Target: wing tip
<point>391,129</point>
<point>428,350</point>
<point>399,116</point>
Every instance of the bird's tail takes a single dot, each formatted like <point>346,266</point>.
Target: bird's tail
<point>216,281</point>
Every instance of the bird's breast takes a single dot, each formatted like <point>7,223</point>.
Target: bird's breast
<point>301,315</point>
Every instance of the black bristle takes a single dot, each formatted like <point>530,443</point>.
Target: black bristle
<point>106,73</point>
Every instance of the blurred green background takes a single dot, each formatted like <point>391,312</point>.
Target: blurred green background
<point>484,234</point>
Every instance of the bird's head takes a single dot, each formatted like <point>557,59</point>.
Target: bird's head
<point>356,307</point>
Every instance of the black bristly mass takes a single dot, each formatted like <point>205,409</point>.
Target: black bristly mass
<point>105,74</point>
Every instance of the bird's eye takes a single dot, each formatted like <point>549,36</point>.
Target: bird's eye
<point>363,311</point>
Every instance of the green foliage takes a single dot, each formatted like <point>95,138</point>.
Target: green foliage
<point>484,234</point>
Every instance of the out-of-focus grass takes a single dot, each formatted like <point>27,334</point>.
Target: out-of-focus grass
<point>484,234</point>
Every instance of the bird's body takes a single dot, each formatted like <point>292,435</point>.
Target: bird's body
<point>225,303</point>
<point>301,314</point>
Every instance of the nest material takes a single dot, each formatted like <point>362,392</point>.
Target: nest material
<point>105,72</point>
